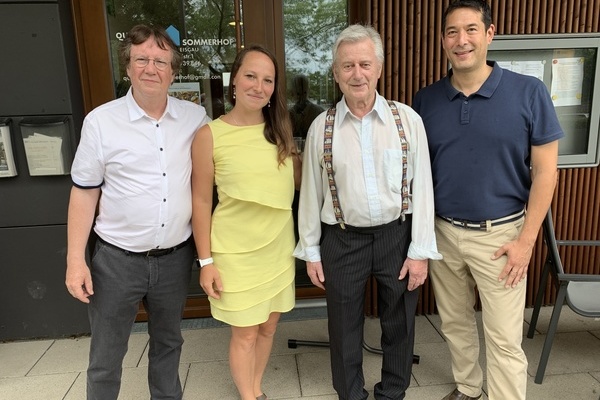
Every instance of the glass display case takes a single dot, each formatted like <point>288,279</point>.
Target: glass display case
<point>568,65</point>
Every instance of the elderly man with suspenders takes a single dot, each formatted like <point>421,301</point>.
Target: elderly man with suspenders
<point>366,209</point>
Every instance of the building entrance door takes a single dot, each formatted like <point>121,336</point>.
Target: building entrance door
<point>209,34</point>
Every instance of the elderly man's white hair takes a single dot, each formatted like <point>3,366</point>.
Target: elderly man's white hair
<point>356,33</point>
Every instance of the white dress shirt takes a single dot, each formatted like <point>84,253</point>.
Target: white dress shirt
<point>367,165</point>
<point>143,167</point>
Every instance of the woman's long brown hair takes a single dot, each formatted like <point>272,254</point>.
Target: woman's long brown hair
<point>278,127</point>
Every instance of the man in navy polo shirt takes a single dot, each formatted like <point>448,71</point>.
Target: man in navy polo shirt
<point>493,141</point>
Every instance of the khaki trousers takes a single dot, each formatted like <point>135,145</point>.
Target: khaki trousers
<point>467,265</point>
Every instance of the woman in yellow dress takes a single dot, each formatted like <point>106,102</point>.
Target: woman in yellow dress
<point>245,249</point>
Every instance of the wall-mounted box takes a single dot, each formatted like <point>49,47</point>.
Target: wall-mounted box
<point>569,67</point>
<point>47,143</point>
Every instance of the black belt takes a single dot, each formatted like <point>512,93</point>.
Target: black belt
<point>482,225</point>
<point>370,229</point>
<point>148,253</point>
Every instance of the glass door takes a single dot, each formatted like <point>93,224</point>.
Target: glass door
<point>207,33</point>
<point>309,31</point>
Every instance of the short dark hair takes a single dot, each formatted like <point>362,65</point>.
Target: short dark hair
<point>140,34</point>
<point>480,6</point>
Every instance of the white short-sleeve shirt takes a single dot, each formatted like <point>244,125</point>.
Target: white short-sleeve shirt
<point>143,167</point>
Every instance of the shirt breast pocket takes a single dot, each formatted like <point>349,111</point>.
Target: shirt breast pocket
<point>392,167</point>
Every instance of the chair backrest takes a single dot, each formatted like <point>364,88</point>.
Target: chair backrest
<point>553,256</point>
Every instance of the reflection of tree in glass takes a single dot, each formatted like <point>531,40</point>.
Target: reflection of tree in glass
<point>158,12</point>
<point>310,30</point>
<point>207,40</point>
<point>212,48</point>
<point>195,19</point>
<point>209,19</point>
<point>124,14</point>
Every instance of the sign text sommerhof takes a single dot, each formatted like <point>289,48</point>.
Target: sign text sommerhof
<point>206,42</point>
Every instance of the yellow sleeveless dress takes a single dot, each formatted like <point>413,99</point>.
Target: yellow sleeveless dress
<point>252,234</point>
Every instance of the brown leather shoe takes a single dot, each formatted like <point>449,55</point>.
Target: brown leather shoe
<point>458,395</point>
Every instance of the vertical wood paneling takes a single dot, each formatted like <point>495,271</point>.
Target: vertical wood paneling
<point>498,10</point>
<point>430,55</point>
<point>595,18</point>
<point>411,31</point>
<point>534,14</point>
<point>410,48</point>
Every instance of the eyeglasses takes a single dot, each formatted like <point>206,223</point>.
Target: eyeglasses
<point>159,64</point>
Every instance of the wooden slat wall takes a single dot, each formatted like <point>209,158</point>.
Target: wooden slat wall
<point>414,58</point>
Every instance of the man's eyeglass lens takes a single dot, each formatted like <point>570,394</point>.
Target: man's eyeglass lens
<point>159,64</point>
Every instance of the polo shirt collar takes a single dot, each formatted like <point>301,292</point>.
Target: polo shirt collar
<point>136,112</point>
<point>486,90</point>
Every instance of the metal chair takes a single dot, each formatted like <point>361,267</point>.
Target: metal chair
<point>580,291</point>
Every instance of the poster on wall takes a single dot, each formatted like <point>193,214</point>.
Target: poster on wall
<point>204,32</point>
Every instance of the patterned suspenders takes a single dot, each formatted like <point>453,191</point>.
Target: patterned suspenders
<point>327,157</point>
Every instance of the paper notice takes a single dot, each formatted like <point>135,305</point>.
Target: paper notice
<point>567,81</point>
<point>44,155</point>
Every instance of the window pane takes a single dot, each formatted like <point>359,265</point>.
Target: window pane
<point>203,30</point>
<point>310,29</point>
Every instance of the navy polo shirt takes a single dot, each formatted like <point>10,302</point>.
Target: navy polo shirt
<point>480,144</point>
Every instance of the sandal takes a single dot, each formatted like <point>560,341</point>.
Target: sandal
<point>262,397</point>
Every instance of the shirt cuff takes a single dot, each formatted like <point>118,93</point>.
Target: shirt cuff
<point>419,253</point>
<point>312,253</point>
